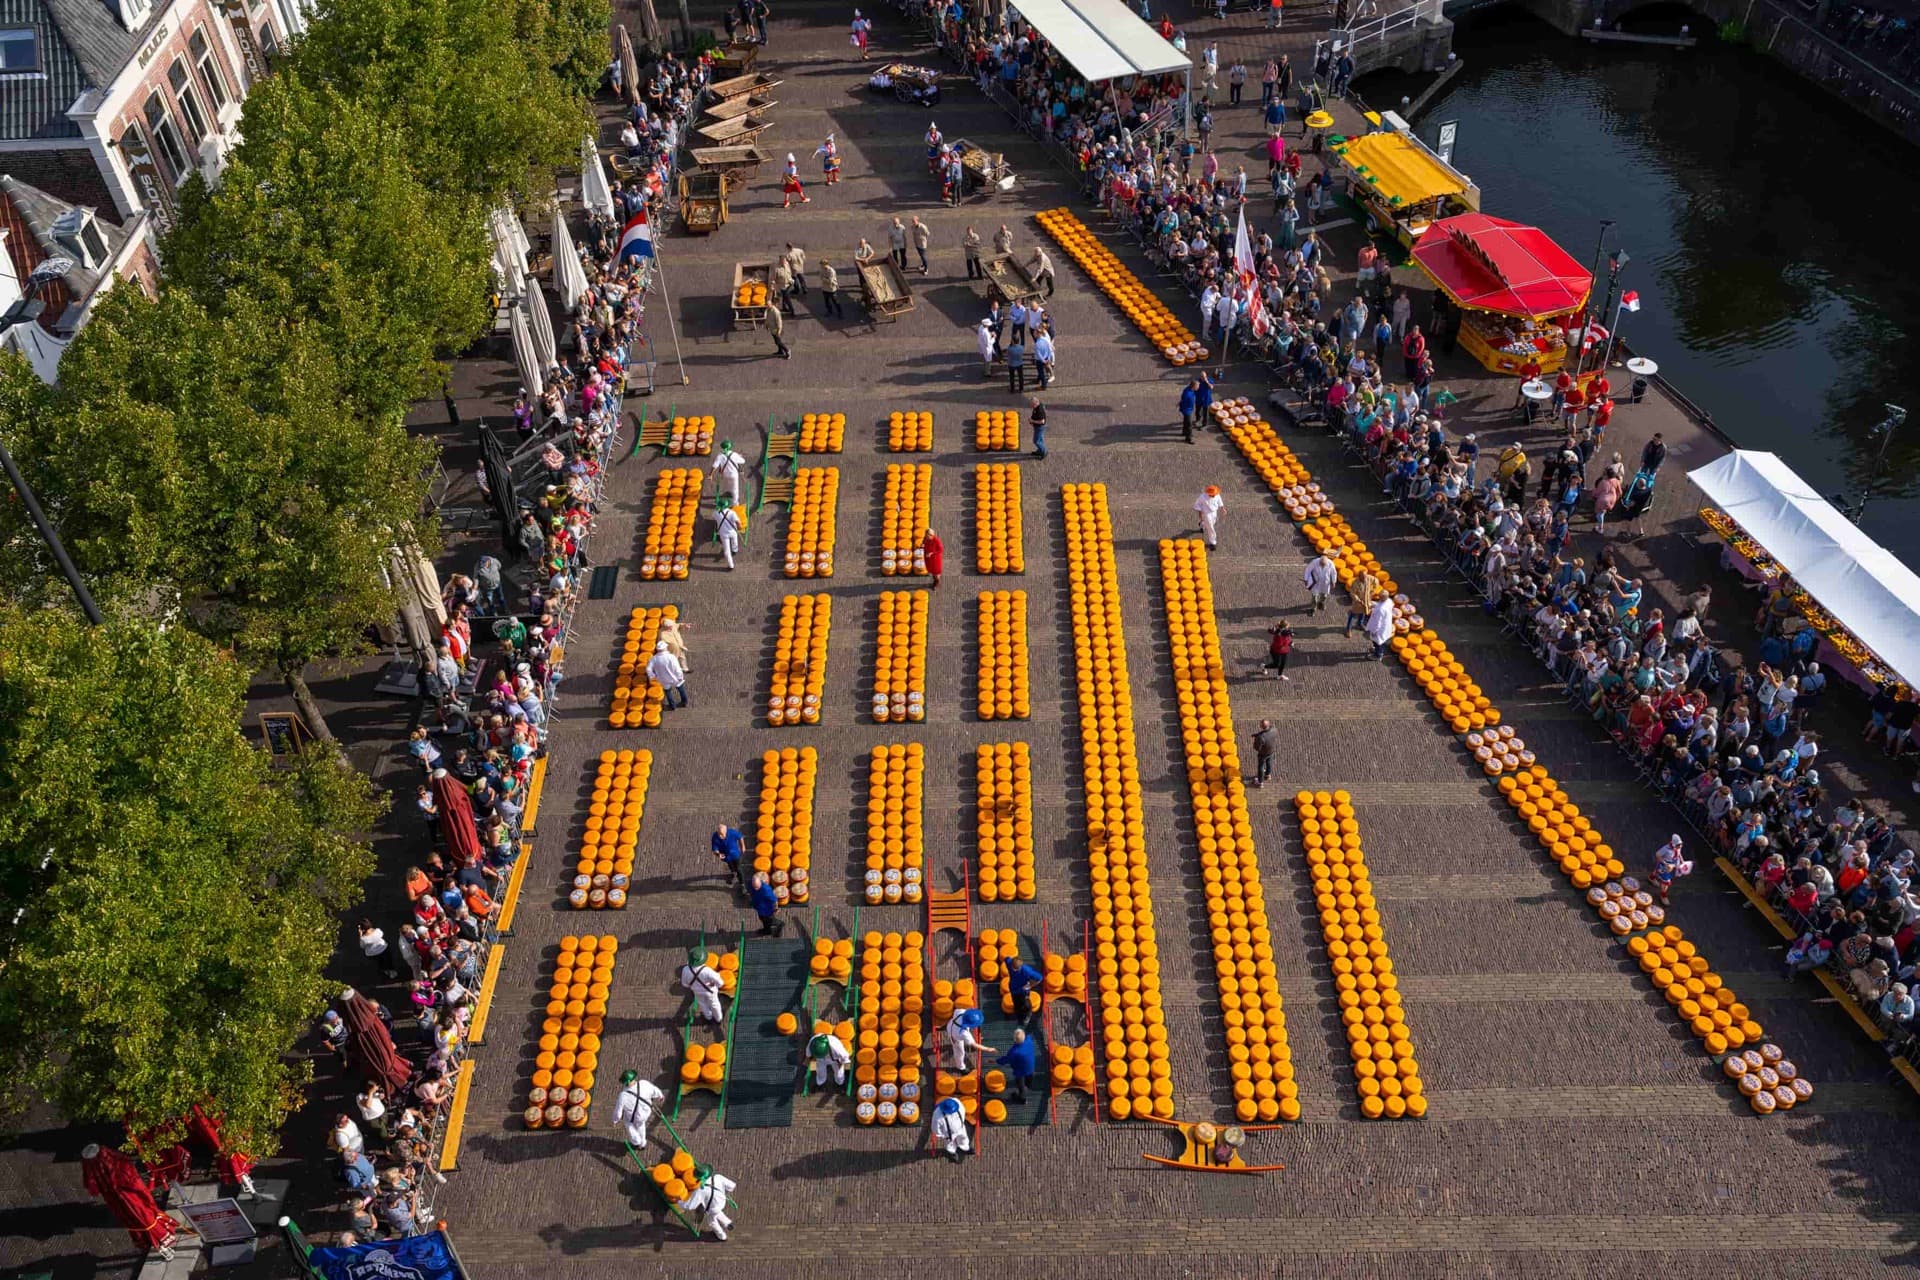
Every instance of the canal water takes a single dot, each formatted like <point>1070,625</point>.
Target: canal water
<point>1770,231</point>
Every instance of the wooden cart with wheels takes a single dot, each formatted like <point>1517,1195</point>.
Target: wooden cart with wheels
<point>738,86</point>
<point>736,58</point>
<point>703,202</point>
<point>729,108</point>
<point>752,294</point>
<point>735,164</point>
<point>1008,280</point>
<point>984,172</point>
<point>737,132</point>
<point>884,291</point>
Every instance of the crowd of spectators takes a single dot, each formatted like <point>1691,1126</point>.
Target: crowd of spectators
<point>1724,739</point>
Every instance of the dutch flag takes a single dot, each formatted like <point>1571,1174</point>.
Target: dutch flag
<point>637,240</point>
<point>1630,300</point>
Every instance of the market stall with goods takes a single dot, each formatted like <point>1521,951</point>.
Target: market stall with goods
<point>1859,597</point>
<point>1517,290</point>
<point>1404,187</point>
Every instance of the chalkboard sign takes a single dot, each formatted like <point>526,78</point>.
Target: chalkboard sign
<point>284,731</point>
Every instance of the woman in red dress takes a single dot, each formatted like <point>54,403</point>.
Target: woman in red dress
<point>935,552</point>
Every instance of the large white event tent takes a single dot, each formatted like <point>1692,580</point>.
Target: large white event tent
<point>1851,576</point>
<point>1104,39</point>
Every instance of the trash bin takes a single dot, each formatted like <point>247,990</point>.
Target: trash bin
<point>1639,391</point>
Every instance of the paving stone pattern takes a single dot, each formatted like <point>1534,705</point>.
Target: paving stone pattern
<point>1575,1127</point>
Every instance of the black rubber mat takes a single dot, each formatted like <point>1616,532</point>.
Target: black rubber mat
<point>604,580</point>
<point>998,1032</point>
<point>766,1065</point>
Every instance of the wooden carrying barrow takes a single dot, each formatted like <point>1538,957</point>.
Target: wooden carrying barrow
<point>739,131</point>
<point>758,82</point>
<point>735,164</point>
<point>733,108</point>
<point>883,290</point>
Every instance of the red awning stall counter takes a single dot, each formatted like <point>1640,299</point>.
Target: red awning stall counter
<point>1517,289</point>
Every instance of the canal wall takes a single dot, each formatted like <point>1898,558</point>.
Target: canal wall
<point>1781,31</point>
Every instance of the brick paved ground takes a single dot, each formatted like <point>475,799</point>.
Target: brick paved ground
<point>1572,1121</point>
<point>1574,1128</point>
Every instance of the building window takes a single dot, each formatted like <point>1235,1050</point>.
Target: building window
<point>19,49</point>
<point>182,82</point>
<point>268,47</point>
<point>209,69</point>
<point>166,139</point>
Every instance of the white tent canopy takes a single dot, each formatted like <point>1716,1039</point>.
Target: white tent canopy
<point>1850,575</point>
<point>569,277</point>
<point>1102,39</point>
<point>594,191</point>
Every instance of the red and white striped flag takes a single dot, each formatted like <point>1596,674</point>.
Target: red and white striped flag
<point>1630,300</point>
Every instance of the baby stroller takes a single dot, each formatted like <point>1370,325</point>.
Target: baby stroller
<point>1636,501</point>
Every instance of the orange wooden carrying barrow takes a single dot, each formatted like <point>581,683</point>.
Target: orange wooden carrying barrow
<point>1211,1148</point>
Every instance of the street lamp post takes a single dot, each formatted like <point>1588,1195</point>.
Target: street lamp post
<point>1586,308</point>
<point>50,536</point>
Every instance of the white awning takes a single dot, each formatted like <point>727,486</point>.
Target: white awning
<point>1102,39</point>
<point>569,277</point>
<point>594,191</point>
<point>1850,575</point>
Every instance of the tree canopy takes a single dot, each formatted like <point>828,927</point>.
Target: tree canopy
<point>213,459</point>
<point>175,893</point>
<point>319,216</point>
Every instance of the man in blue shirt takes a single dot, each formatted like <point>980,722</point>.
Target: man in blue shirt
<point>1021,980</point>
<point>1020,1065</point>
<point>1189,405</point>
<point>728,846</point>
<point>766,905</point>
<point>358,1170</point>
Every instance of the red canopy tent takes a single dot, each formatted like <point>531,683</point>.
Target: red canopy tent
<point>1490,264</point>
<point>372,1046</point>
<point>203,1128</point>
<point>116,1180</point>
<point>456,818</point>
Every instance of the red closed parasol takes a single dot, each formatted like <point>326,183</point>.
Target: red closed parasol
<point>370,1044</point>
<point>115,1179</point>
<point>1491,264</point>
<point>203,1128</point>
<point>456,818</point>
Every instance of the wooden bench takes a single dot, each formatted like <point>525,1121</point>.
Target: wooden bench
<point>530,813</point>
<point>489,979</point>
<point>1852,1006</point>
<point>511,899</point>
<point>1907,1070</point>
<point>456,1119</point>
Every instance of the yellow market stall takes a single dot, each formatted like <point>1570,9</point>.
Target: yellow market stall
<point>1403,187</point>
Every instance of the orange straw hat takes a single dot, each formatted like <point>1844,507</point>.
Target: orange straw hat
<point>1213,491</point>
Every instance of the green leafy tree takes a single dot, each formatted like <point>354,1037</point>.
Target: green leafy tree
<point>484,112</point>
<point>169,895</point>
<point>212,463</point>
<point>319,217</point>
<point>571,35</point>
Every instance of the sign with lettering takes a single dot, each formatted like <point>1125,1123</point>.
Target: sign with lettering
<point>155,194</point>
<point>423,1257</point>
<point>236,11</point>
<point>219,1221</point>
<point>154,44</point>
<point>1449,132</point>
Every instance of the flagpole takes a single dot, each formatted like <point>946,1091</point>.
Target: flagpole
<point>672,328</point>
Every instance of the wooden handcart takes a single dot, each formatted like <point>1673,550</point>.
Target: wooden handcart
<point>884,291</point>
<point>731,108</point>
<point>752,314</point>
<point>703,202</point>
<point>739,86</point>
<point>735,164</point>
<point>1211,1148</point>
<point>1008,280</point>
<point>984,172</point>
<point>737,132</point>
<point>737,58</point>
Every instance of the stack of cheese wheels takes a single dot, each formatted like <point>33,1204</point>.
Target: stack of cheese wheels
<point>811,526</point>
<point>1132,1022</point>
<point>676,501</point>
<point>896,853</point>
<point>999,541</point>
<point>1004,693</point>
<point>783,827</point>
<point>636,699</point>
<point>1243,962</point>
<point>800,659</point>
<point>900,658</point>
